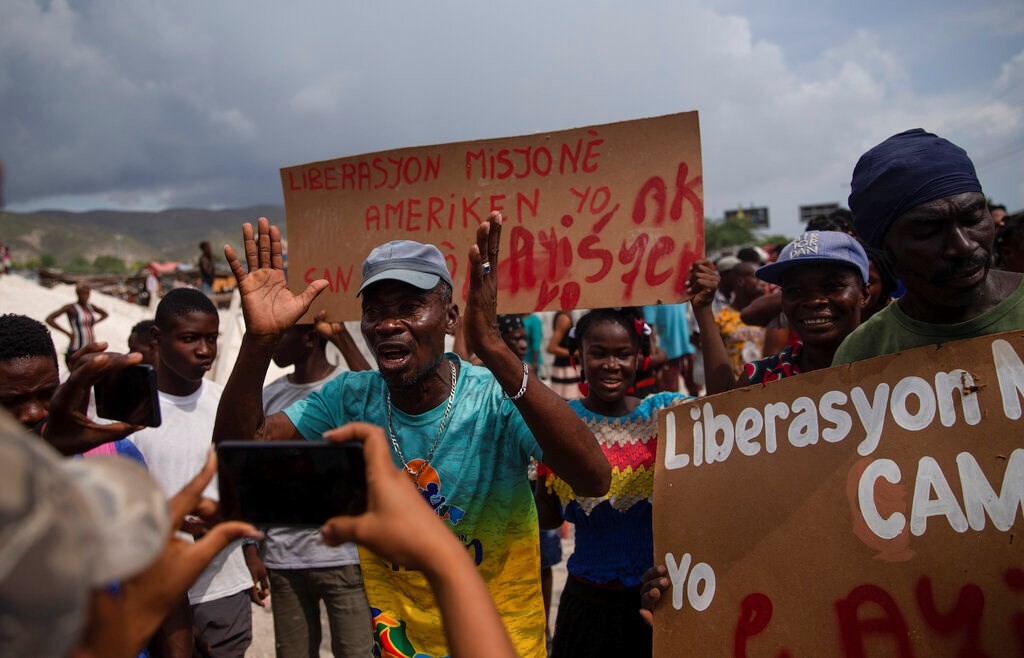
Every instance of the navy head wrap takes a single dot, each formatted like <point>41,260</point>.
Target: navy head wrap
<point>509,323</point>
<point>904,171</point>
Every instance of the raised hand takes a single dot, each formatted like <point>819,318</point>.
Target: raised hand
<point>268,307</point>
<point>481,316</point>
<point>338,333</point>
<point>326,328</point>
<point>702,283</point>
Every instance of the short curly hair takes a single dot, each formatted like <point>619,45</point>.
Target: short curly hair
<point>181,301</point>
<point>22,337</point>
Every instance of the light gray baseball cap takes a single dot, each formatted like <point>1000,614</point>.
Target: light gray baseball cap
<point>419,265</point>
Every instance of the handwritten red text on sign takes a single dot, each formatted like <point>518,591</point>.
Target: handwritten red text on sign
<point>607,215</point>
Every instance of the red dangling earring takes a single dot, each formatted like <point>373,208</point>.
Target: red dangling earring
<point>647,363</point>
<point>582,385</point>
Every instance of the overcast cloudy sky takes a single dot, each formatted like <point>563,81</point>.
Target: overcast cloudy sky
<point>147,105</point>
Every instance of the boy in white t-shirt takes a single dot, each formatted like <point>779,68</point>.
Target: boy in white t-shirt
<point>186,331</point>
<point>304,571</point>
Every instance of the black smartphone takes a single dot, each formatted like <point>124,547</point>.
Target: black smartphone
<point>130,396</point>
<point>290,483</point>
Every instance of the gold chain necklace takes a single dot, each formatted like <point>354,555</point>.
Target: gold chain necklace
<point>440,430</point>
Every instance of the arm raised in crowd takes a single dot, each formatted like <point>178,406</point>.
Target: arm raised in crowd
<point>701,285</point>
<point>570,449</point>
<point>399,526</point>
<point>268,308</point>
<point>763,310</point>
<point>338,334</point>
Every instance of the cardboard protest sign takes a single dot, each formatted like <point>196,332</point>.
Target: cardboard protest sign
<point>866,510</point>
<point>607,215</point>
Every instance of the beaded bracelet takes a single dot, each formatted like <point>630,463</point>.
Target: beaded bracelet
<point>522,389</point>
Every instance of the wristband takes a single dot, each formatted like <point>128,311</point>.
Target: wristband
<point>522,389</point>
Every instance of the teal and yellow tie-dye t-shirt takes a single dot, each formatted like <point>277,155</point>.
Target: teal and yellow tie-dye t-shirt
<point>476,482</point>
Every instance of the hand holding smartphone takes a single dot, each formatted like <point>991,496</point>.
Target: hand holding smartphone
<point>130,396</point>
<point>290,483</point>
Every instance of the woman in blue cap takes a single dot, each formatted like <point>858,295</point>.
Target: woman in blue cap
<point>823,277</point>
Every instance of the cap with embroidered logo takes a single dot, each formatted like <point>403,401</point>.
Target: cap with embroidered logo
<point>817,247</point>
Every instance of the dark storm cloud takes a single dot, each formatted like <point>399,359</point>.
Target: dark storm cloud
<point>164,104</point>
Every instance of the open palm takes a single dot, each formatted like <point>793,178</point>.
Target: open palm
<point>267,305</point>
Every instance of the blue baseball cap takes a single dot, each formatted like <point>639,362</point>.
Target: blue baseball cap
<point>817,247</point>
<point>419,265</point>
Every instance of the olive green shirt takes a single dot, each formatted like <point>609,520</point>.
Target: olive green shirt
<point>891,330</point>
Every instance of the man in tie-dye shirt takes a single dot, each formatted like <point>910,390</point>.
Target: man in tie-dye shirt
<point>464,433</point>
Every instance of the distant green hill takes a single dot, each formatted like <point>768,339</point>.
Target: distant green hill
<point>167,235</point>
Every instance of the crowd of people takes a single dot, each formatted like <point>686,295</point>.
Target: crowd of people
<point>473,460</point>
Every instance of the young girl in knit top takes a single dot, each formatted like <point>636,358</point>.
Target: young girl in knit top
<point>598,614</point>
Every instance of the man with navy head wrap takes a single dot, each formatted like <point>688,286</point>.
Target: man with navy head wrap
<point>917,197</point>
